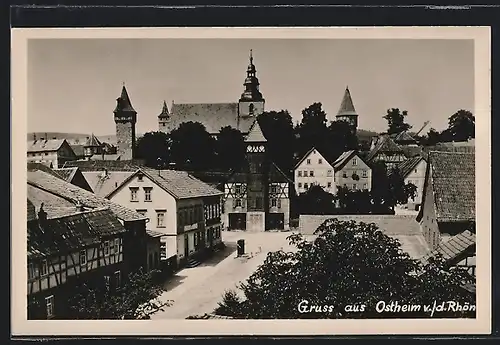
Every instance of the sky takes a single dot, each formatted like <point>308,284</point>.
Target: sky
<point>73,83</point>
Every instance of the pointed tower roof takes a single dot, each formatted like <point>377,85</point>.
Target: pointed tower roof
<point>93,141</point>
<point>164,111</point>
<point>255,134</point>
<point>251,92</point>
<point>123,102</point>
<point>347,106</point>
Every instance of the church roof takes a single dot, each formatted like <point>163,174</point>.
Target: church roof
<point>255,134</point>
<point>347,106</point>
<point>164,111</point>
<point>93,141</point>
<point>123,102</point>
<point>213,116</point>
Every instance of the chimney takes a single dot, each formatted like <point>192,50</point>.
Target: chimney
<point>79,206</point>
<point>104,173</point>
<point>42,215</point>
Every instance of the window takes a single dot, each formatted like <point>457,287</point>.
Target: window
<point>49,304</point>
<point>329,184</point>
<point>329,173</point>
<point>44,270</point>
<point>300,173</point>
<point>106,248</point>
<point>237,189</point>
<point>160,219</point>
<point>365,186</point>
<point>83,257</point>
<point>274,202</point>
<point>320,161</point>
<point>142,212</point>
<point>345,185</point>
<point>133,193</point>
<point>308,161</point>
<point>237,203</point>
<point>140,178</point>
<point>106,282</point>
<point>258,202</point>
<point>306,185</point>
<point>251,109</point>
<point>300,185</point>
<point>117,245</point>
<point>147,193</point>
<point>311,173</point>
<point>118,279</point>
<point>365,173</point>
<point>354,161</point>
<point>354,186</point>
<point>279,203</point>
<point>415,170</point>
<point>344,174</point>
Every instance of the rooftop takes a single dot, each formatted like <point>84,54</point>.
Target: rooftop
<point>453,249</point>
<point>43,145</point>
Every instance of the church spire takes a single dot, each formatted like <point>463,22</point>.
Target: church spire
<point>251,92</point>
<point>347,112</point>
<point>164,111</point>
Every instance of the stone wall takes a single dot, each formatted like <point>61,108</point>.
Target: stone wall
<point>125,140</point>
<point>391,224</point>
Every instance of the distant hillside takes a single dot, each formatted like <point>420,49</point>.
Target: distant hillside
<point>73,138</point>
<point>364,134</point>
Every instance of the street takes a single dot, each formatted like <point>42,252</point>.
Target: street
<point>197,290</point>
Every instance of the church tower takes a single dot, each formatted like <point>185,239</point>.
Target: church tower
<point>257,177</point>
<point>125,119</point>
<point>251,102</point>
<point>163,118</point>
<point>347,112</point>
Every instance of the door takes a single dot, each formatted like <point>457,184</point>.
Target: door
<point>275,221</point>
<point>237,221</point>
<point>186,246</point>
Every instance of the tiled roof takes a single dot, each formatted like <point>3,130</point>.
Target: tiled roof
<point>454,184</point>
<point>93,141</point>
<point>67,174</point>
<point>45,145</point>
<point>106,157</point>
<point>347,106</point>
<point>123,102</point>
<point>255,134</point>
<point>180,184</point>
<point>408,165</point>
<point>402,137</point>
<point>343,159</point>
<point>71,232</point>
<point>66,194</point>
<point>213,116</point>
<point>99,165</point>
<point>103,183</point>
<point>412,151</point>
<point>31,212</point>
<point>43,167</point>
<point>79,150</point>
<point>154,234</point>
<point>386,145</point>
<point>305,156</point>
<point>453,249</point>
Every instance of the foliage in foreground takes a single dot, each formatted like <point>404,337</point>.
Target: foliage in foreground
<point>348,264</point>
<point>137,298</point>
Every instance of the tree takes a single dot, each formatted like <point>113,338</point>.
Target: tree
<point>151,146</point>
<point>192,147</point>
<point>354,201</point>
<point>136,299</point>
<point>346,271</point>
<point>432,138</point>
<point>461,126</point>
<point>312,130</point>
<point>278,129</point>
<point>230,148</point>
<point>395,119</point>
<point>339,138</point>
<point>316,201</point>
<point>389,188</point>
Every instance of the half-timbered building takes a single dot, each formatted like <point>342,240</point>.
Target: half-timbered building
<point>66,250</point>
<point>60,198</point>
<point>257,195</point>
<point>385,150</point>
